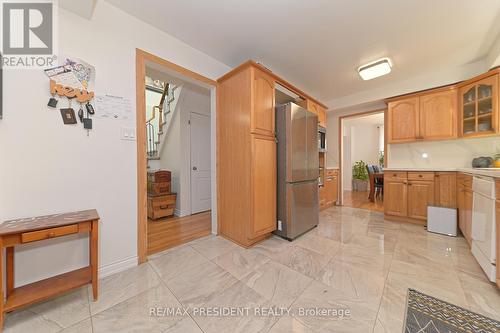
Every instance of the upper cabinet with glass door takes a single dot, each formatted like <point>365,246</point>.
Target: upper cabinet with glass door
<point>478,112</point>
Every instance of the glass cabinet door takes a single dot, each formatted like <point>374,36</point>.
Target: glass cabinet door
<point>479,104</point>
<point>469,111</point>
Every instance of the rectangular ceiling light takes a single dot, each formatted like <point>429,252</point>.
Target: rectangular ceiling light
<point>375,69</point>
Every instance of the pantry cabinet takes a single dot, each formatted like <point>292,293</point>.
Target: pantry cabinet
<point>479,107</point>
<point>246,156</point>
<point>246,152</point>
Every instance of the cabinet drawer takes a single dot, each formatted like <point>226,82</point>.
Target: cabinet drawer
<point>331,172</point>
<point>163,201</point>
<point>395,175</point>
<point>48,233</point>
<point>420,175</point>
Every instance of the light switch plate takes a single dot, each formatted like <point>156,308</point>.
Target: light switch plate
<point>127,133</point>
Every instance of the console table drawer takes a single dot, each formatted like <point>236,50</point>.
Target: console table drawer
<point>48,233</point>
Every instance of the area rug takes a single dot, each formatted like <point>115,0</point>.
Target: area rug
<point>426,314</point>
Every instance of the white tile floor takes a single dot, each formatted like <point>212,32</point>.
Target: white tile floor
<point>353,260</point>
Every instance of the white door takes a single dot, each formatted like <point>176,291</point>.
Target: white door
<point>200,163</point>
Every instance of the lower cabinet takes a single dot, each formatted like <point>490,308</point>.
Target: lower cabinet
<point>420,195</point>
<point>329,193</point>
<point>464,205</point>
<point>407,194</point>
<point>395,197</point>
<point>446,189</point>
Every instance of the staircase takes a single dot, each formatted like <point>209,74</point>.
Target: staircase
<point>157,126</point>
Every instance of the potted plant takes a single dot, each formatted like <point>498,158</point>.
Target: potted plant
<point>381,159</point>
<point>359,177</point>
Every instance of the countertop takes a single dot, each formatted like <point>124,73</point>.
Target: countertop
<point>488,172</point>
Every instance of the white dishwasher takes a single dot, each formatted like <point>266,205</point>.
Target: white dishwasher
<point>483,224</point>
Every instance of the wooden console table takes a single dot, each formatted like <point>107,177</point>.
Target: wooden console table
<point>27,230</point>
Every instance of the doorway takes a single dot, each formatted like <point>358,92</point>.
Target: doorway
<point>362,156</point>
<point>174,147</point>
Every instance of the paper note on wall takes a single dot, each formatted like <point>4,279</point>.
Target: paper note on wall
<point>113,107</point>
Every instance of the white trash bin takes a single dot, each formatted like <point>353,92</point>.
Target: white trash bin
<point>442,220</point>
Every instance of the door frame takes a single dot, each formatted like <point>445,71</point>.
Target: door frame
<point>141,59</point>
<point>341,144</point>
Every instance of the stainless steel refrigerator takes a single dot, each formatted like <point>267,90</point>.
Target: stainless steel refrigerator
<point>298,170</point>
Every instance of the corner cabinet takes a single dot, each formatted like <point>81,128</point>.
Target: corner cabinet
<point>246,155</point>
<point>430,116</point>
<point>479,108</point>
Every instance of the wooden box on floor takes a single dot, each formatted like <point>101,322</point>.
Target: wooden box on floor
<point>159,176</point>
<point>161,205</point>
<point>162,188</point>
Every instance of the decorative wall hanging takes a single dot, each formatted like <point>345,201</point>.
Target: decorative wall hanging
<point>73,80</point>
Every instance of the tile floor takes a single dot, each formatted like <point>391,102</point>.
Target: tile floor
<point>353,260</point>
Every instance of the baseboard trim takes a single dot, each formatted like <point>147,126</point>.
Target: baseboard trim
<point>118,266</point>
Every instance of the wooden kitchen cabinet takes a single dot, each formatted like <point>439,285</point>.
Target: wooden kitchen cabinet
<point>331,187</point>
<point>395,196</point>
<point>420,195</point>
<point>246,152</point>
<point>402,118</point>
<point>318,110</point>
<point>263,185</point>
<point>246,156</point>
<point>438,115</point>
<point>478,105</point>
<point>446,189</point>
<point>468,215</point>
<point>428,116</point>
<point>262,115</point>
<point>464,205</point>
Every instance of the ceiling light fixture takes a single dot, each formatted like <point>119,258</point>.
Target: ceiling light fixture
<point>375,69</point>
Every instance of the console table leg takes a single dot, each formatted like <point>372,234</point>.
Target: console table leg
<point>94,241</point>
<point>9,262</point>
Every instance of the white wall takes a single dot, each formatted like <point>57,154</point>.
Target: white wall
<point>48,167</point>
<point>442,154</point>
<point>176,153</point>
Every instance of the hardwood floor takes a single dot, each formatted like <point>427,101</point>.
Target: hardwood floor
<point>360,200</point>
<point>172,231</point>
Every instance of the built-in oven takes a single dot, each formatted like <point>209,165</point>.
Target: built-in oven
<point>321,139</point>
